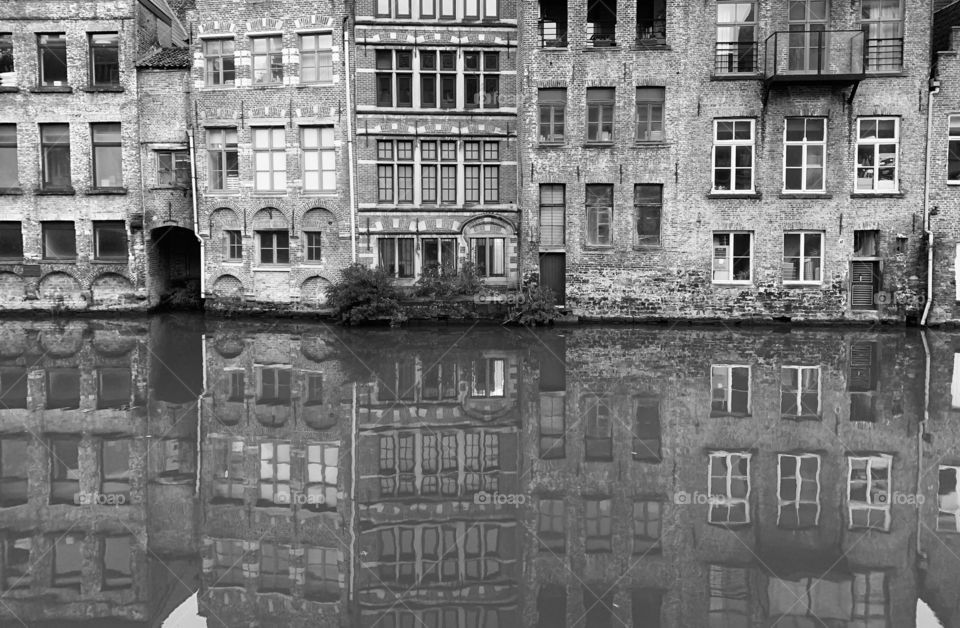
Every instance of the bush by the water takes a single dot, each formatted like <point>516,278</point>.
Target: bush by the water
<point>365,294</point>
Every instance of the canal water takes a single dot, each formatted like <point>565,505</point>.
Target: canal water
<point>179,472</point>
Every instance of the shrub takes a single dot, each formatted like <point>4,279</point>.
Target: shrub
<point>535,307</point>
<point>435,283</point>
<point>365,294</point>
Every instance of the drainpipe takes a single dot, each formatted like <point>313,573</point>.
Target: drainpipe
<point>350,172</point>
<point>921,431</point>
<point>196,215</point>
<point>935,84</point>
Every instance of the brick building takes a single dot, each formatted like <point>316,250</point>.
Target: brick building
<point>657,136</point>
<point>71,216</point>
<point>270,113</point>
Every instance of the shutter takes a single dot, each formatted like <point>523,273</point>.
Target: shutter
<point>863,277</point>
<point>861,366</point>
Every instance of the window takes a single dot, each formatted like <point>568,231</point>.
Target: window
<point>732,257</point>
<point>107,155</point>
<point>600,104</point>
<point>113,387</point>
<point>650,114</point>
<point>602,23</point>
<point>55,156</point>
<point>219,62</point>
<point>395,171</point>
<point>551,606</point>
<point>439,253</point>
<point>173,168</point>
<point>802,257</point>
<point>228,470</point>
<point>647,526</point>
<point>953,157</point>
<point>322,582</point>
<point>736,37</point>
<point>598,525</point>
<point>553,111</point>
<point>274,472</point>
<point>232,245</point>
<point>731,390</point>
<point>870,604</point>
<point>63,389</point>
<point>868,491</point>
<point>481,85</point>
<point>274,568</point>
<point>274,247</point>
<point>651,21</point>
<point>552,427</point>
<point>235,385</point>
<point>481,172</point>
<point>862,381</point>
<point>115,468</point>
<point>730,595</point>
<point>394,78</point>
<point>729,488</point>
<point>598,429</point>
<point>53,59</point>
<point>117,572</point>
<point>646,430</point>
<point>16,563</point>
<point>798,491</point>
<point>550,526</point>
<point>312,246</point>
<point>267,55</point>
<point>14,463</point>
<point>800,392</point>
<point>882,22</point>
<point>104,59</point>
<point>393,8</point>
<point>8,76</point>
<point>553,23</point>
<point>9,172</point>
<point>648,205</point>
<point>64,469</point>
<point>488,256</point>
<point>67,561</point>
<point>322,473</point>
<point>599,214</point>
<point>269,159</point>
<point>59,241</point>
<point>396,256</point>
<point>13,388</point>
<point>804,148</point>
<point>733,156</point>
<point>313,384</point>
<point>110,240</point>
<point>11,241</point>
<point>224,161</point>
<point>878,142</point>
<point>487,377</point>
<point>866,243</point>
<point>229,563</point>
<point>948,503</point>
<point>552,214</point>
<point>316,58</point>
<point>319,159</point>
<point>448,172</point>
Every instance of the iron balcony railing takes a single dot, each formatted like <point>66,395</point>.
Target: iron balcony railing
<point>816,54</point>
<point>652,30</point>
<point>553,34</point>
<point>736,57</point>
<point>602,34</point>
<point>884,55</point>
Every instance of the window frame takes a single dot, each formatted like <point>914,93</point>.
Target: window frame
<point>883,505</point>
<point>274,51</point>
<point>647,241</point>
<point>876,143</point>
<point>9,146</point>
<point>866,26</point>
<point>730,258</point>
<point>803,258</point>
<point>728,410</point>
<point>222,151</point>
<point>47,148</point>
<point>594,212</point>
<point>643,520</point>
<point>555,103</point>
<point>805,145</point>
<point>649,105</point>
<point>795,501</point>
<point>92,59</point>
<point>395,74</point>
<point>953,149</point>
<point>319,54</point>
<point>484,76</point>
<point>214,62</point>
<point>52,226</point>
<point>277,174</point>
<point>322,151</point>
<point>753,51</point>
<point>9,227</point>
<point>8,61</point>
<point>269,240</point>
<point>798,392</point>
<point>605,108</point>
<point>313,247</point>
<point>735,145</point>
<point>408,241</point>
<point>489,268</point>
<point>115,145</point>
<point>948,514</point>
<point>43,47</point>
<point>598,525</point>
<point>232,245</point>
<point>110,226</point>
<point>560,208</point>
<point>179,166</point>
<point>727,500</point>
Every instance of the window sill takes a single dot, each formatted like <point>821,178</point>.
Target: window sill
<point>105,192</point>
<point>953,182</point>
<point>599,248</point>
<point>598,144</point>
<point>66,260</point>
<point>93,89</point>
<point>732,284</point>
<point>328,193</point>
<point>9,89</point>
<point>735,76</point>
<point>553,48</point>
<point>11,261</point>
<point>648,247</point>
<point>218,88</point>
<point>223,192</point>
<point>806,195</point>
<point>651,144</point>
<point>302,85</point>
<point>11,191</point>
<point>110,262</point>
<point>802,284</point>
<point>54,192</point>
<point>51,89</point>
<point>549,145</point>
<point>613,48</point>
<point>271,269</point>
<point>878,195</point>
<point>734,195</point>
<point>182,188</point>
<point>268,193</point>
<point>651,44</point>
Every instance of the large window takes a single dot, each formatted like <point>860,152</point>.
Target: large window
<point>432,75</point>
<point>553,23</point>
<point>228,470</point>
<point>394,78</point>
<point>319,159</point>
<point>648,207</point>
<point>882,22</point>
<point>395,171</point>
<point>444,169</point>
<point>948,499</point>
<point>599,203</point>
<point>53,59</point>
<point>878,159</point>
<point>322,582</point>
<point>481,172</point>
<point>55,156</point>
<point>732,257</point>
<point>439,253</point>
<point>953,156</point>
<point>800,392</point>
<point>553,114</point>
<point>273,385</point>
<point>601,23</point>
<point>598,428</point>
<point>274,247</point>
<point>481,80</point>
<point>488,256</point>
<point>650,114</point>
<point>9,172</point>
<point>647,526</point>
<point>316,58</point>
<point>733,144</point>
<point>219,61</point>
<point>598,524</point>
<point>110,240</point>
<point>730,386</point>
<point>8,76</point>
<point>224,161</point>
<point>736,37</point>
<point>802,257</point>
<point>552,214</point>
<point>804,150</point>
<point>11,242</point>
<point>729,488</point>
<point>64,469</point>
<point>552,426</point>
<point>646,430</point>
<point>798,491</point>
<point>868,491</point>
<point>173,168</point>
<point>104,59</point>
<point>59,241</point>
<point>232,245</point>
<point>267,58</point>
<point>269,159</point>
<point>322,474</point>
<point>600,106</point>
<point>550,526</point>
<point>651,21</point>
<point>274,568</point>
<point>396,256</point>
<point>107,155</point>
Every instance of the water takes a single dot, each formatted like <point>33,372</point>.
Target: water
<point>181,472</point>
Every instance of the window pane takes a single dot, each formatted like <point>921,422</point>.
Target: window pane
<point>110,240</point>
<point>59,241</point>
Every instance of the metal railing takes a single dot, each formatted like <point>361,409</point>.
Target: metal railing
<point>652,30</point>
<point>602,34</point>
<point>553,34</point>
<point>884,55</point>
<point>816,54</point>
<point>736,57</point>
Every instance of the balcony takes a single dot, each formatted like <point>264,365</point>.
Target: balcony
<point>814,57</point>
<point>736,57</point>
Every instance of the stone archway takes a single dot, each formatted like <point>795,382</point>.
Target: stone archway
<point>174,275</point>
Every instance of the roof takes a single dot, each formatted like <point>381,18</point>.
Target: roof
<point>167,59</point>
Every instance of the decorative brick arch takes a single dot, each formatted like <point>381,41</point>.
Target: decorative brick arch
<point>62,342</point>
<point>60,286</point>
<point>111,287</point>
<point>12,288</point>
<point>270,218</point>
<point>227,286</point>
<point>492,225</point>
<point>224,218</point>
<point>313,291</point>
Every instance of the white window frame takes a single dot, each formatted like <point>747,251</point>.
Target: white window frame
<point>322,151</point>
<point>729,258</point>
<point>953,137</point>
<point>803,258</point>
<point>954,513</point>
<point>805,146</point>
<point>277,173</point>
<point>318,53</point>
<point>734,145</point>
<point>955,382</point>
<point>876,143</point>
<point>727,501</point>
<point>882,506</point>
<point>793,502</point>
<point>798,393</point>
<point>729,388</point>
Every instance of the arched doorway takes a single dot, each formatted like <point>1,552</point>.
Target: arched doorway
<point>174,277</point>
